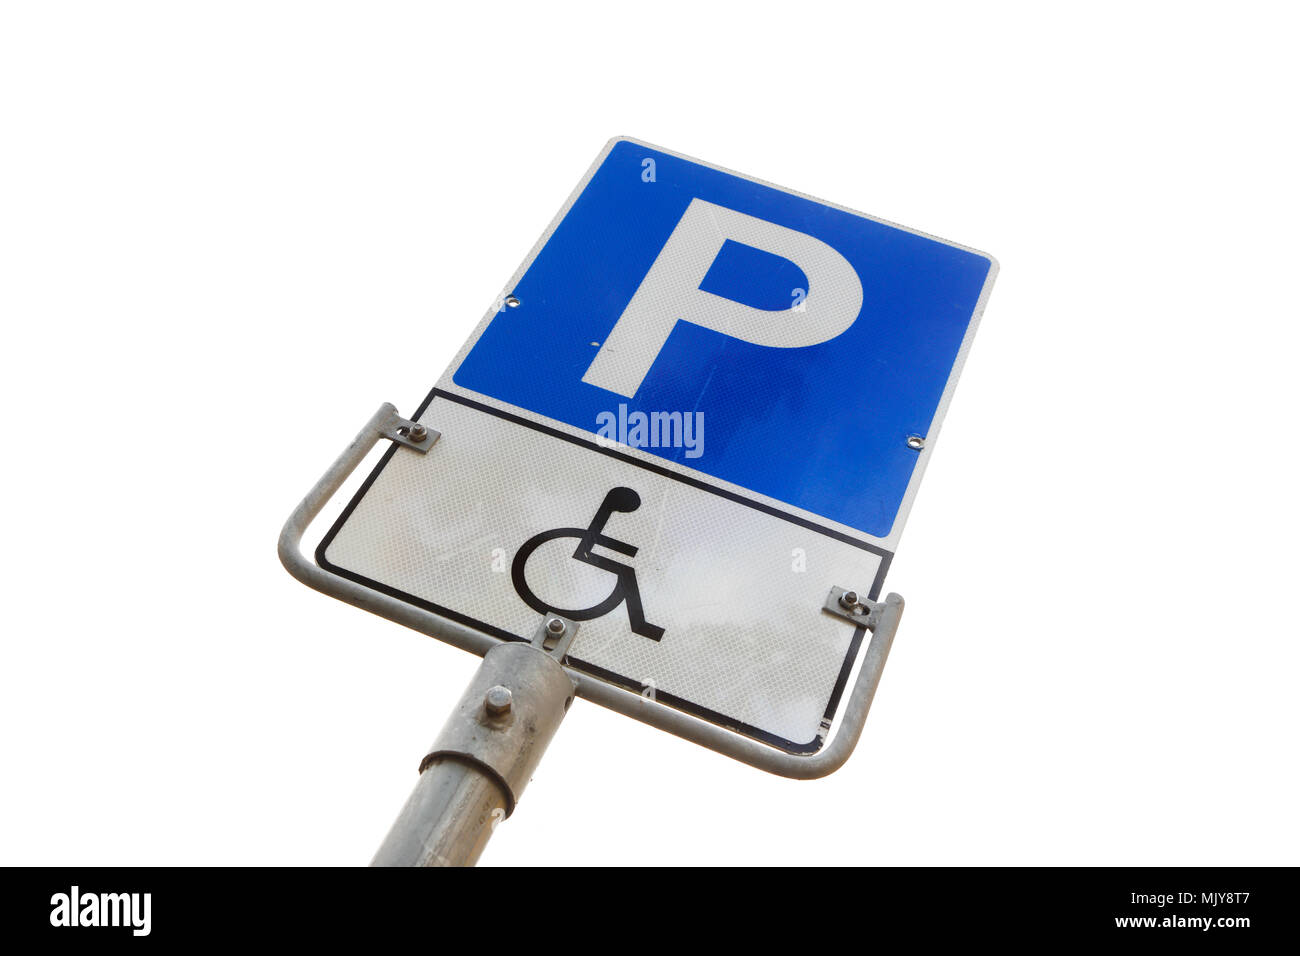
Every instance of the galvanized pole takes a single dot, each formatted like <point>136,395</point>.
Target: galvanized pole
<point>478,767</point>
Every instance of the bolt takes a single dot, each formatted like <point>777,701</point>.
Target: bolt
<point>915,442</point>
<point>498,700</point>
<point>555,627</point>
<point>418,433</point>
<point>512,302</point>
<point>849,600</point>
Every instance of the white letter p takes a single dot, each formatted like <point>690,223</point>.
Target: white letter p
<point>670,292</point>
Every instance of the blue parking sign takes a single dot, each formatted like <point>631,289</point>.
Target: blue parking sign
<point>700,406</point>
<point>807,342</point>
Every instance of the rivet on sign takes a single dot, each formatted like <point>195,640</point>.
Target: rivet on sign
<point>555,626</point>
<point>418,433</point>
<point>849,600</point>
<point>512,302</point>
<point>498,700</point>
<point>915,442</point>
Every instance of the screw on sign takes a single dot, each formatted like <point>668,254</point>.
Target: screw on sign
<point>661,302</point>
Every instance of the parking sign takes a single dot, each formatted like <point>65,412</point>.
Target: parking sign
<point>701,402</point>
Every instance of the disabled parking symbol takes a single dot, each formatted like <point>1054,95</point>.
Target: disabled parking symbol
<point>625,590</point>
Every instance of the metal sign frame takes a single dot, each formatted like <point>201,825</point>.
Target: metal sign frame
<point>879,618</point>
<point>866,614</point>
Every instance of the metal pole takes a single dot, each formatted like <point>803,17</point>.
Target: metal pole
<point>478,767</point>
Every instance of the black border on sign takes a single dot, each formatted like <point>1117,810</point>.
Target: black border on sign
<point>601,673</point>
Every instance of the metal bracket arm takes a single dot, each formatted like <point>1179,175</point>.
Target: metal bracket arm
<point>881,618</point>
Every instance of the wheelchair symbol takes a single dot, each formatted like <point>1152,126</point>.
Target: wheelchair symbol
<point>625,589</point>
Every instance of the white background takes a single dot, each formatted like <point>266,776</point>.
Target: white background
<point>228,231</point>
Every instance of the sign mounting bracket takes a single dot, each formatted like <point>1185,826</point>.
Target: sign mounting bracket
<point>886,615</point>
<point>403,431</point>
<point>853,607</point>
